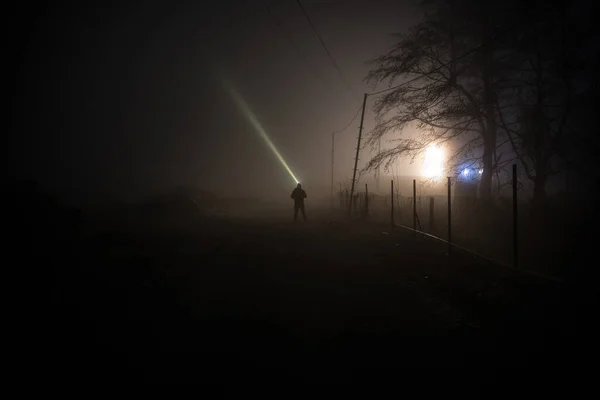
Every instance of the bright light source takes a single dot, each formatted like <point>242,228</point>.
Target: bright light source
<point>480,171</point>
<point>466,172</point>
<point>245,109</point>
<point>433,165</point>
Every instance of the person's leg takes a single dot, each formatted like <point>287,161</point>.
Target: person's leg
<point>303,213</point>
<point>295,212</point>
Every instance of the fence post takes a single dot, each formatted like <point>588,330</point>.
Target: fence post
<point>449,216</point>
<point>415,206</point>
<point>392,203</point>
<point>515,218</point>
<point>398,205</point>
<point>431,218</point>
<point>366,200</point>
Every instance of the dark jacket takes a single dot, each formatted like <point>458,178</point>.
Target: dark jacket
<point>298,195</point>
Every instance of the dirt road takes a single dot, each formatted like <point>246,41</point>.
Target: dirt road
<point>163,301</point>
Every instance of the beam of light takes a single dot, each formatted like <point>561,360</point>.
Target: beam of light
<point>433,165</point>
<point>245,110</point>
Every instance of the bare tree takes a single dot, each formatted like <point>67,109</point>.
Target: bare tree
<point>453,101</point>
<point>538,96</point>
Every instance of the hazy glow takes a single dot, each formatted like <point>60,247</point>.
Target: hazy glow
<point>245,109</point>
<point>433,165</point>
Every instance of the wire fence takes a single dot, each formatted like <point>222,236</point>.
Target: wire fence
<point>504,230</point>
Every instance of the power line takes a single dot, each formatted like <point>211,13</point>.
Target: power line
<point>335,65</point>
<point>351,121</point>
<point>291,42</point>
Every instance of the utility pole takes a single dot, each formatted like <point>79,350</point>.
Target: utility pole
<point>332,152</point>
<point>362,118</point>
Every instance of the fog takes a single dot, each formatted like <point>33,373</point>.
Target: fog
<point>320,186</point>
<point>122,102</point>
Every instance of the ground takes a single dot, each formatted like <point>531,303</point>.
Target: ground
<point>162,299</point>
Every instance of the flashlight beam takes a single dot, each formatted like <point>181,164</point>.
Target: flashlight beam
<point>245,109</point>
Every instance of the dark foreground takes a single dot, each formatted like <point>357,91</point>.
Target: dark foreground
<point>192,298</point>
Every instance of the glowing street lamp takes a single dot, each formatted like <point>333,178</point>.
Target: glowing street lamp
<point>433,165</point>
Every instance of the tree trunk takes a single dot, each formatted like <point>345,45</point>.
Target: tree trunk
<point>490,134</point>
<point>485,185</point>
<point>539,188</point>
<point>536,226</point>
<point>539,194</point>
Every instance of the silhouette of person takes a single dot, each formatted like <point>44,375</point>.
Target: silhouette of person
<point>299,195</point>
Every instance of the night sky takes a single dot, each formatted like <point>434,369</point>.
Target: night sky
<point>117,102</point>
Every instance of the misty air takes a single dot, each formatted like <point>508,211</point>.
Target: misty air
<point>200,190</point>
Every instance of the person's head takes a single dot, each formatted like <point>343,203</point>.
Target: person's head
<point>299,185</point>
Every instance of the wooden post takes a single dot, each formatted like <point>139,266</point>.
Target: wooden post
<point>449,216</point>
<point>366,200</point>
<point>431,214</point>
<point>362,118</point>
<point>415,205</point>
<point>332,153</point>
<point>515,218</point>
<point>398,205</point>
<point>392,203</point>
